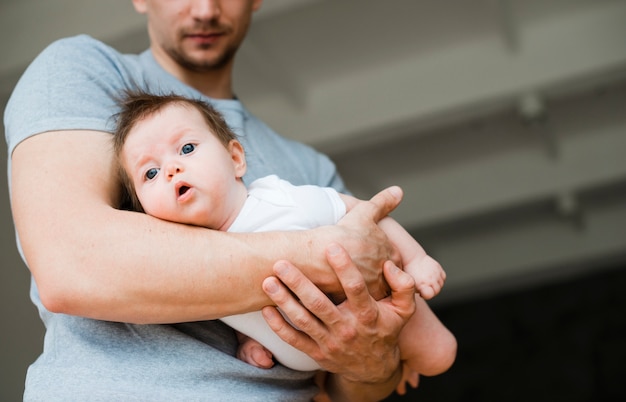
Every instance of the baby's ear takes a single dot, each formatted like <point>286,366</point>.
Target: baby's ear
<point>238,157</point>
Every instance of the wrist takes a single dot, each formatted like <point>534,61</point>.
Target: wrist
<point>317,268</point>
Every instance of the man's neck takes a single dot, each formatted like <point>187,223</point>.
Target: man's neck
<point>216,84</point>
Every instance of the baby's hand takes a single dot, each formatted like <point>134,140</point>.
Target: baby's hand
<point>429,276</point>
<point>253,353</point>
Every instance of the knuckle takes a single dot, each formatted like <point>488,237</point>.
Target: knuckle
<point>318,306</point>
<point>367,316</point>
<point>334,348</point>
<point>301,321</point>
<point>355,287</point>
<point>339,260</point>
<point>410,310</point>
<point>281,298</point>
<point>294,281</point>
<point>343,261</point>
<point>289,337</point>
<point>348,334</point>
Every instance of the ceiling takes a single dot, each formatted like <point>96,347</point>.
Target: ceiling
<point>503,120</point>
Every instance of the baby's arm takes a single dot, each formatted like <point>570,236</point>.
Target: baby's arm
<point>428,274</point>
<point>252,352</point>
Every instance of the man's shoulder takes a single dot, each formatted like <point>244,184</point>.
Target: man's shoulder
<point>84,45</point>
<point>78,39</point>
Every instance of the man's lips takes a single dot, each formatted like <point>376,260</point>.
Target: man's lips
<point>204,37</point>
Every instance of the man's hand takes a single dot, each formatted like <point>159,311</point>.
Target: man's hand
<point>363,239</point>
<point>357,339</point>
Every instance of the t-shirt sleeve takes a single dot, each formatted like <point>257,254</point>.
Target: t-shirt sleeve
<point>71,85</point>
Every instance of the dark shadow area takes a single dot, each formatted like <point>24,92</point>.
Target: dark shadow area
<point>557,342</point>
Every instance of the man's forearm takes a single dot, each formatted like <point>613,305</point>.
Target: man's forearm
<point>137,269</point>
<point>92,260</point>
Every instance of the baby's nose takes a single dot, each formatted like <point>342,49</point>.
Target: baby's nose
<point>173,169</point>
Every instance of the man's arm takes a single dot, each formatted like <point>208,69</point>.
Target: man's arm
<point>357,340</point>
<point>93,260</point>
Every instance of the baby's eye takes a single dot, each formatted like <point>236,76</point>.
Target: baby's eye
<point>187,149</point>
<point>151,173</point>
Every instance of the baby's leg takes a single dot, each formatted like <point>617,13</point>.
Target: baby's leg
<point>252,352</point>
<point>426,345</point>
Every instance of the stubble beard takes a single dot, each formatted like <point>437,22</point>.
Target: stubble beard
<point>202,65</point>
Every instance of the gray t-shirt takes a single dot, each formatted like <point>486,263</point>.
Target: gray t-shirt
<point>72,85</point>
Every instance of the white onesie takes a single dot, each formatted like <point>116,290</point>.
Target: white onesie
<point>277,205</point>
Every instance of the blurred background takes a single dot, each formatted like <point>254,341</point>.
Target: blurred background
<point>503,120</point>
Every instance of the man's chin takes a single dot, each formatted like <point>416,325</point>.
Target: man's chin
<point>200,60</point>
<point>205,62</point>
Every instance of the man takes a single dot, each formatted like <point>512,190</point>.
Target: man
<point>106,280</point>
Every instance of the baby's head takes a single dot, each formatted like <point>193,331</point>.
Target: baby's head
<point>135,107</point>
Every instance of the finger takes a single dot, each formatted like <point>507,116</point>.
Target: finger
<point>402,289</point>
<point>381,204</point>
<point>351,280</point>
<point>286,331</point>
<point>277,322</point>
<point>312,303</point>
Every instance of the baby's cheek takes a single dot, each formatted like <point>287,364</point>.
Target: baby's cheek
<point>156,204</point>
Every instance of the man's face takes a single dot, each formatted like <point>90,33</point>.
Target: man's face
<point>181,171</point>
<point>198,35</point>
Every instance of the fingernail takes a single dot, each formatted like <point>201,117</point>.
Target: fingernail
<point>281,268</point>
<point>333,249</point>
<point>269,313</point>
<point>271,287</point>
<point>396,191</point>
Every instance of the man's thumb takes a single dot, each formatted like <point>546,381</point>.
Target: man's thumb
<point>386,201</point>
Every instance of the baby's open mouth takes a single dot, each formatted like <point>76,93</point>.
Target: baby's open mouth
<point>182,190</point>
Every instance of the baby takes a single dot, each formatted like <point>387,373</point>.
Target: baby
<point>180,162</point>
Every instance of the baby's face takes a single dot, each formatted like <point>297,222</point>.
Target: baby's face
<point>180,170</point>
